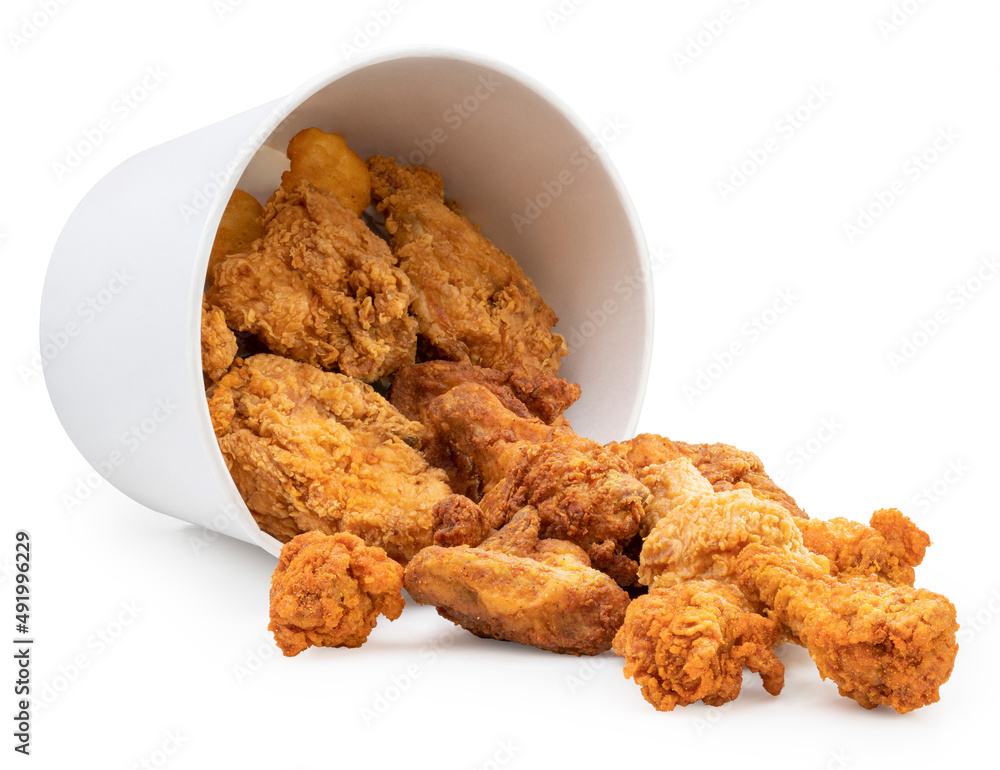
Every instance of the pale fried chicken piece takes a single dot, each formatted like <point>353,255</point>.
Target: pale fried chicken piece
<point>320,287</point>
<point>581,492</point>
<point>699,532</point>
<point>310,449</point>
<point>881,644</point>
<point>725,467</point>
<point>328,591</point>
<point>691,641</point>
<point>888,549</point>
<point>474,302</point>
<point>543,396</point>
<point>517,588</point>
<point>218,343</point>
<point>240,226</point>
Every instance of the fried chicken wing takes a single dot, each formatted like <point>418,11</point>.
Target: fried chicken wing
<point>700,532</point>
<point>474,303</point>
<point>310,449</point>
<point>326,161</point>
<point>881,644</point>
<point>888,549</point>
<point>690,642</point>
<point>517,588</point>
<point>581,492</point>
<point>320,287</point>
<point>218,343</point>
<point>328,591</point>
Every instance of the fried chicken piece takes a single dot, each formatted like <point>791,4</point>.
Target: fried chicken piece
<point>328,591</point>
<point>700,532</point>
<point>543,396</point>
<point>218,343</point>
<point>326,161</point>
<point>691,641</point>
<point>459,521</point>
<point>320,287</point>
<point>517,588</point>
<point>310,449</point>
<point>474,302</point>
<point>581,492</point>
<point>240,226</point>
<point>881,644</point>
<point>888,549</point>
<point>725,467</point>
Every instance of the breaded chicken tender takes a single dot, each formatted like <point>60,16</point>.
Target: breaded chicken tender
<point>310,449</point>
<point>690,642</point>
<point>517,588</point>
<point>328,591</point>
<point>320,287</point>
<point>881,644</point>
<point>218,343</point>
<point>474,302</point>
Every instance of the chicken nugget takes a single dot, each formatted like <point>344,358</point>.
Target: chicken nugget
<point>326,161</point>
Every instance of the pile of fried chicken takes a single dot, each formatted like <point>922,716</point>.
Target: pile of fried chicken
<point>390,409</point>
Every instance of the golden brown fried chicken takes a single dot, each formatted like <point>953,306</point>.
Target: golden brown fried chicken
<point>474,303</point>
<point>700,532</point>
<point>320,287</point>
<point>218,343</point>
<point>881,644</point>
<point>888,549</point>
<point>310,449</point>
<point>517,588</point>
<point>725,467</point>
<point>326,161</point>
<point>581,492</point>
<point>691,641</point>
<point>328,591</point>
<point>240,226</point>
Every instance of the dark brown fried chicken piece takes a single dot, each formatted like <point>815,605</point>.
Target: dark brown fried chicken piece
<point>328,591</point>
<point>310,449</point>
<point>581,492</point>
<point>517,588</point>
<point>881,644</point>
<point>543,396</point>
<point>691,641</point>
<point>474,303</point>
<point>320,287</point>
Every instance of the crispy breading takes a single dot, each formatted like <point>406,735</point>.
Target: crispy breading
<point>218,343</point>
<point>888,549</point>
<point>318,450</point>
<point>474,302</point>
<point>320,287</point>
<point>700,532</point>
<point>328,591</point>
<point>881,644</point>
<point>690,642</point>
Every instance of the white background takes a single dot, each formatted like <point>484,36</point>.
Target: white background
<point>150,650</point>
